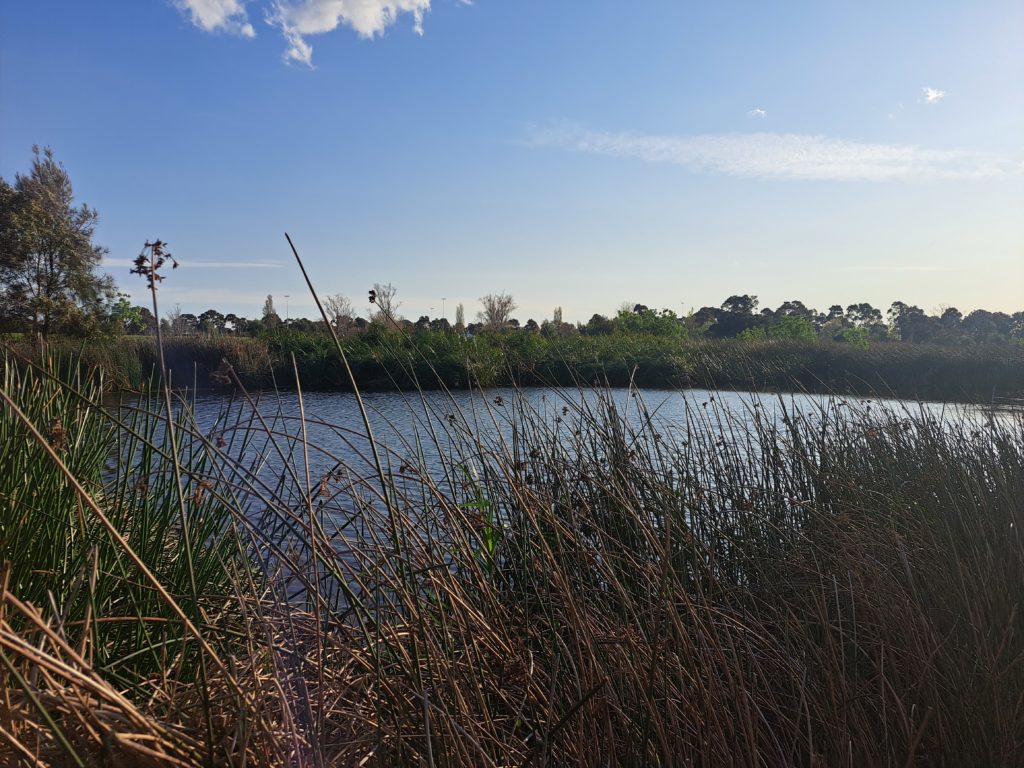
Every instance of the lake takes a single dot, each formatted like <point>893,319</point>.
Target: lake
<point>432,429</point>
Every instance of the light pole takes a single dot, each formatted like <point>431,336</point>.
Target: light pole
<point>443,300</point>
<point>287,312</point>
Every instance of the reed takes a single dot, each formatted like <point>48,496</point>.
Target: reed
<point>588,584</point>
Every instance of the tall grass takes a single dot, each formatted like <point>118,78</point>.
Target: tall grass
<point>587,585</point>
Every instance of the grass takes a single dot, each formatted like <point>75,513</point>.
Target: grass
<point>838,586</point>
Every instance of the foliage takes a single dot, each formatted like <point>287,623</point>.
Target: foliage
<point>856,336</point>
<point>648,321</point>
<point>387,360</point>
<point>270,317</point>
<point>496,310</point>
<point>793,328</point>
<point>48,262</point>
<point>757,333</point>
<point>56,547</point>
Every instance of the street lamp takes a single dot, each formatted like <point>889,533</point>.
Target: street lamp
<point>443,300</point>
<point>287,312</point>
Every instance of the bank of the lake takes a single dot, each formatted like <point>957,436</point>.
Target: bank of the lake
<point>389,361</point>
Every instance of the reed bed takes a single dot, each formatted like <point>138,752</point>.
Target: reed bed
<point>509,586</point>
<point>393,360</point>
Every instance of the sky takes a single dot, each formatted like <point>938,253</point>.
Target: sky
<point>576,154</point>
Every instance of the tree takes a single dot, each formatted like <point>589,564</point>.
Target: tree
<point>740,305</point>
<point>599,325</point>
<point>48,262</point>
<point>339,312</point>
<point>187,325</point>
<point>908,323</point>
<point>235,324</point>
<point>496,310</point>
<point>863,315</point>
<point>460,318</point>
<point>835,312</point>
<point>124,318</point>
<point>951,318</point>
<point>146,323</point>
<point>1017,326</point>
<point>736,316</point>
<point>793,327</point>
<point>172,320</point>
<point>648,321</point>
<point>794,308</point>
<point>270,317</point>
<point>985,326</point>
<point>385,305</point>
<point>212,322</point>
<point>858,337</point>
<point>557,327</point>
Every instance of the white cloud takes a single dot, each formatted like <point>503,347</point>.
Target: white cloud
<point>933,95</point>
<point>368,18</point>
<point>777,155</point>
<point>218,16</point>
<point>757,112</point>
<point>298,49</point>
<point>298,19</point>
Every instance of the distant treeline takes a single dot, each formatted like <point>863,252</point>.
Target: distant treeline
<point>737,317</point>
<point>384,359</point>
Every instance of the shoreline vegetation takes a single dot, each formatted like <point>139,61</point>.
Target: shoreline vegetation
<point>838,587</point>
<point>393,360</point>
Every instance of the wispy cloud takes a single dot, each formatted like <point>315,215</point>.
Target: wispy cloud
<point>757,112</point>
<point>933,95</point>
<point>895,268</point>
<point>777,155</point>
<point>190,264</point>
<point>218,16</point>
<point>198,299</point>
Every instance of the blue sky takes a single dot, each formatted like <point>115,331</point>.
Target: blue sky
<point>574,154</point>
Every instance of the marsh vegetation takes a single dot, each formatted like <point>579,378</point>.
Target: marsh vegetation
<point>826,585</point>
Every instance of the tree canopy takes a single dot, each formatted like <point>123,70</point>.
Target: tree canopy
<point>496,310</point>
<point>48,262</point>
